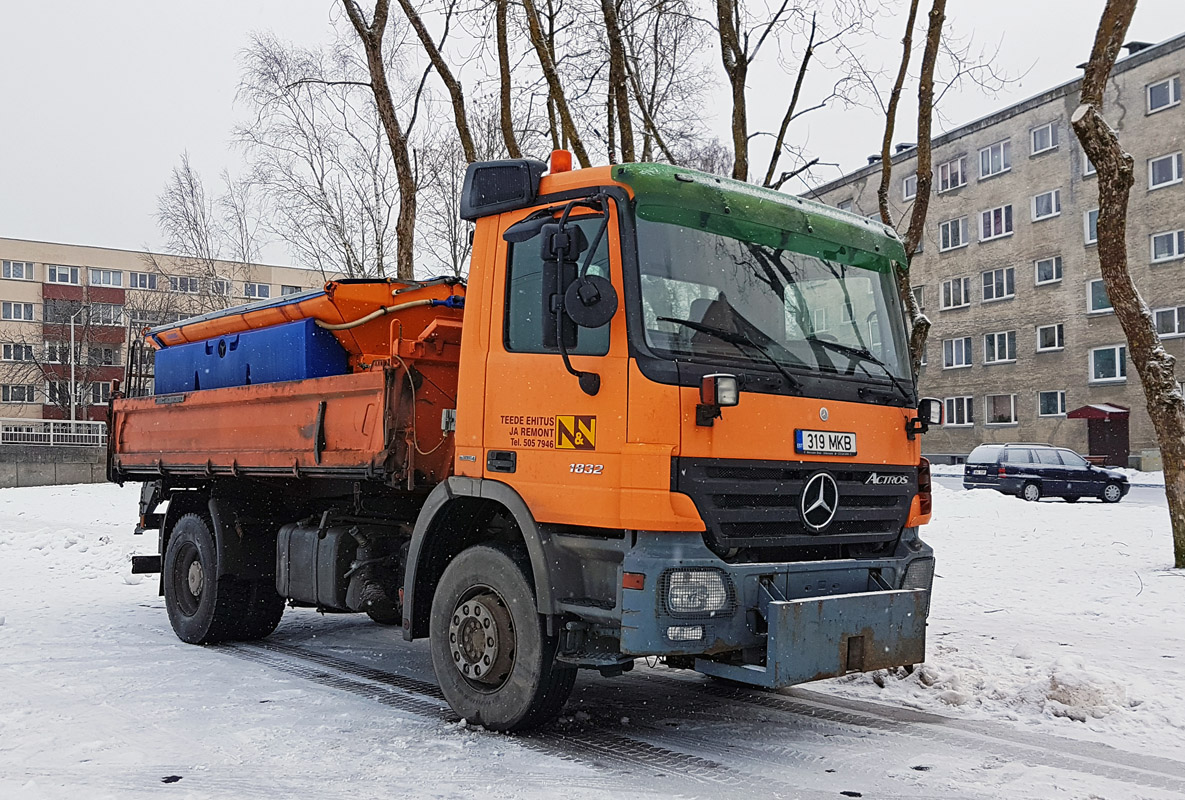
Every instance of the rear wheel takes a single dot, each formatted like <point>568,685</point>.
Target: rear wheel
<point>493,658</point>
<point>1111,493</point>
<point>1031,492</point>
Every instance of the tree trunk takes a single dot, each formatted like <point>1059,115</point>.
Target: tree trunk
<point>736,67</point>
<point>788,117</point>
<point>1115,178</point>
<point>456,93</point>
<point>617,79</point>
<point>372,41</point>
<point>555,89</point>
<point>505,117</point>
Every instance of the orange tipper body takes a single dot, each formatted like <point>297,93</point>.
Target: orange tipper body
<point>682,403</point>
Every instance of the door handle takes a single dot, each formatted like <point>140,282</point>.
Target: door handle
<point>501,461</point>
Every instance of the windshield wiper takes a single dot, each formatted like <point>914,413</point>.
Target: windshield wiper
<point>739,339</point>
<point>863,355</point>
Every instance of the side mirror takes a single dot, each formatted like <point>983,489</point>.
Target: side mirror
<point>929,413</point>
<point>930,410</point>
<point>590,301</point>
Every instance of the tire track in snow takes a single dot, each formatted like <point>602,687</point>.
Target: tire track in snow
<point>591,747</point>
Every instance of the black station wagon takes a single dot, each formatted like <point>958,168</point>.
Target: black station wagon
<point>1033,471</point>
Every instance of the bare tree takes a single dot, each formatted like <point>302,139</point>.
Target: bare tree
<point>1115,179</point>
<point>319,157</point>
<point>544,49</point>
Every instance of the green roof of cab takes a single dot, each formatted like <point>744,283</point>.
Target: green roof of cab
<point>726,207</point>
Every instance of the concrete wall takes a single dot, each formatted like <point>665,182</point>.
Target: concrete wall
<point>39,465</point>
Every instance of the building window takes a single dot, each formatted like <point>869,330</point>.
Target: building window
<point>57,393</point>
<point>956,293</point>
<point>1170,322</point>
<point>820,319</point>
<point>995,159</point>
<point>17,352</point>
<point>844,205</point>
<point>59,274</point>
<point>1168,245</point>
<point>144,280</point>
<point>18,393</point>
<point>1164,171</point>
<point>1000,409</point>
<point>1051,404</point>
<point>1047,204</point>
<point>286,289</point>
<point>999,347</point>
<point>1098,301</point>
<point>57,353</point>
<point>1044,138</point>
<point>1164,94</point>
<point>257,291</point>
<point>1108,363</point>
<point>952,234</point>
<point>18,270</point>
<point>1049,270</point>
<point>999,284</point>
<point>1090,226</point>
<point>919,297</point>
<point>1087,165</point>
<point>995,222</point>
<point>956,353</point>
<point>1050,337</point>
<point>909,187</point>
<point>220,287</point>
<point>952,174</point>
<point>106,314</point>
<point>183,284</point>
<point>100,393</point>
<point>959,412</point>
<point>16,311</point>
<point>103,356</point>
<point>106,277</point>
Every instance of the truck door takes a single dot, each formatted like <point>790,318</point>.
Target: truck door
<point>558,446</point>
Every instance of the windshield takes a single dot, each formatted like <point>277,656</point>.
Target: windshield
<point>717,298</point>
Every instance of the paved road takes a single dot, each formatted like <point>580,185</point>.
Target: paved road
<point>1139,495</point>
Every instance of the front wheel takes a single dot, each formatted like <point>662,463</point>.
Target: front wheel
<point>1031,492</point>
<point>1111,493</point>
<point>493,658</point>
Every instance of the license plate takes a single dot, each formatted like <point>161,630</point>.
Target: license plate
<point>979,472</point>
<point>824,443</point>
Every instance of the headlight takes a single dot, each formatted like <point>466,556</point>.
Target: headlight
<point>697,591</point>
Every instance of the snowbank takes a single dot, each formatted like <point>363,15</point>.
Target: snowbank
<point>1053,616</point>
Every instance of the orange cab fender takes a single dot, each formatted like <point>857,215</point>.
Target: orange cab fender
<point>454,517</point>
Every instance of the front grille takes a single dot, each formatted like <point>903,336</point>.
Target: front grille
<point>758,503</point>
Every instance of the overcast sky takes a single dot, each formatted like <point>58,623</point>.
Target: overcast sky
<point>98,100</point>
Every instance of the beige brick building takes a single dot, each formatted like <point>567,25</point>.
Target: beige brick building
<point>1023,345</point>
<point>110,295</point>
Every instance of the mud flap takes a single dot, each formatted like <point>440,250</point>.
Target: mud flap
<point>823,637</point>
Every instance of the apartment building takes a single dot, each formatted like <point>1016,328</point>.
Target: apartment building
<point>1024,344</point>
<point>51,294</point>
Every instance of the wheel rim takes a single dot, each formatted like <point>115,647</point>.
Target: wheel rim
<point>482,640</point>
<point>1032,492</point>
<point>1111,492</point>
<point>189,579</point>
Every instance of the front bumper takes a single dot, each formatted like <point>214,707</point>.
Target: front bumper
<point>783,623</point>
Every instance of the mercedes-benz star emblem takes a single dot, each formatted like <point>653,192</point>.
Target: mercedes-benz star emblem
<point>823,413</point>
<point>820,498</point>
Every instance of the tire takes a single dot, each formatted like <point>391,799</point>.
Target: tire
<point>385,615</point>
<point>204,608</point>
<point>1112,493</point>
<point>487,589</point>
<point>1071,498</point>
<point>1031,492</point>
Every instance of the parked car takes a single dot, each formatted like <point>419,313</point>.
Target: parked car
<point>1033,471</point>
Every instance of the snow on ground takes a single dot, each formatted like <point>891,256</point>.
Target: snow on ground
<point>1056,617</point>
<point>1047,617</point>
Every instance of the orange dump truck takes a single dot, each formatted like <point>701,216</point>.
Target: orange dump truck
<point>669,415</point>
